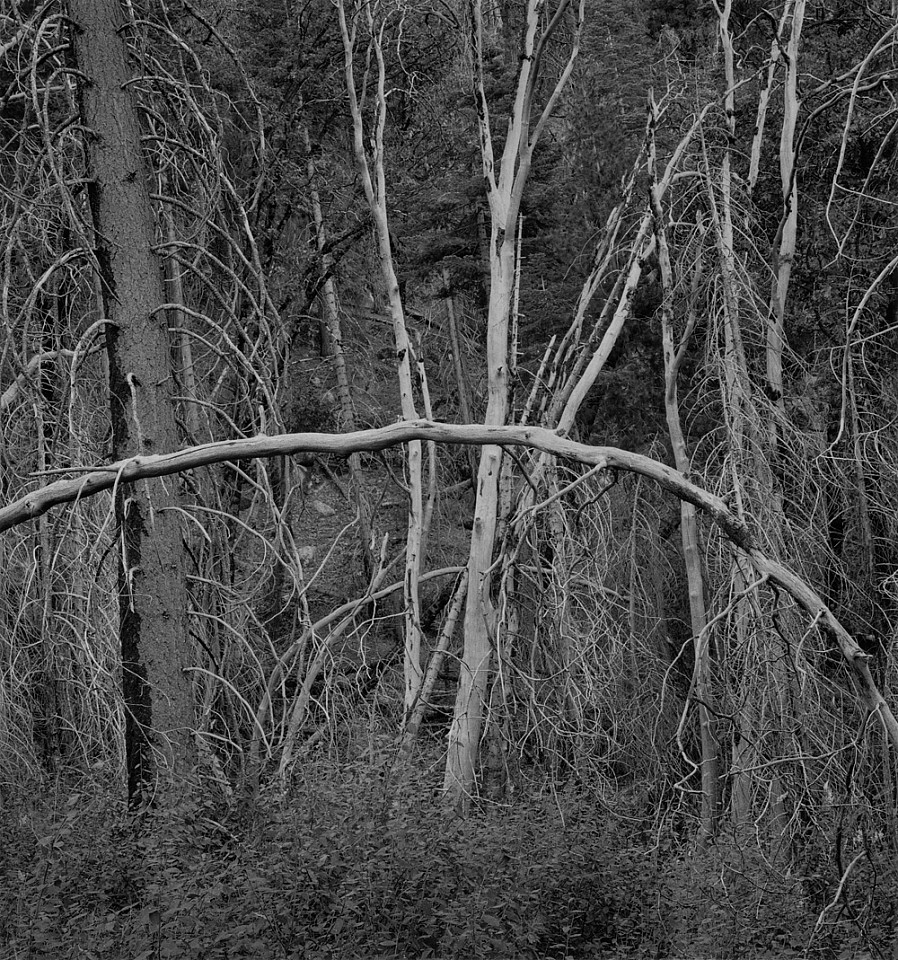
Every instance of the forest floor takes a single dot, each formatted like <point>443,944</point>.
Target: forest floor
<point>356,860</point>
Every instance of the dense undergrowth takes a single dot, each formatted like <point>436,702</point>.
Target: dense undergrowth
<point>346,864</point>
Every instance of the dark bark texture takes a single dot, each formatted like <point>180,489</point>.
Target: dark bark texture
<point>153,599</point>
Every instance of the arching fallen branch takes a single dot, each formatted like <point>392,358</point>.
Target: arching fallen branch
<point>96,479</point>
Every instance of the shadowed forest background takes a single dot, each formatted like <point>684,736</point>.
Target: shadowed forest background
<point>448,459</point>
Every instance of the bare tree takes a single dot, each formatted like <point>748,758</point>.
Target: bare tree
<point>769,571</point>
<point>371,20</point>
<point>506,179</point>
<point>674,355</point>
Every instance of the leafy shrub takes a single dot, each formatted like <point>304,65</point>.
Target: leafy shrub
<point>346,865</point>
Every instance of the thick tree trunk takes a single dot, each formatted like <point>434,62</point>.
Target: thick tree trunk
<point>464,735</point>
<point>505,188</point>
<point>153,598</point>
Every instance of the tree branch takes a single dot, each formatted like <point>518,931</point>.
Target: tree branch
<point>100,478</point>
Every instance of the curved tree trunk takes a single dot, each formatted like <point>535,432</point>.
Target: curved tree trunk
<point>735,528</point>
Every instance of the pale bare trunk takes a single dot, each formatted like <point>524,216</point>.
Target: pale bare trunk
<point>434,666</point>
<point>757,142</point>
<point>375,192</point>
<point>736,394</point>
<point>480,621</point>
<point>749,464</point>
<point>785,254</point>
<point>643,247</point>
<point>591,361</point>
<point>505,187</point>
<point>689,532</point>
<point>429,502</point>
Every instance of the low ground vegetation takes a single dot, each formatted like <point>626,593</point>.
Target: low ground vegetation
<point>348,862</point>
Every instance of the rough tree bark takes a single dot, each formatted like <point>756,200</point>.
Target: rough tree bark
<point>153,599</point>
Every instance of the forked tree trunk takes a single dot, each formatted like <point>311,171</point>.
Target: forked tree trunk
<point>153,599</point>
<point>505,187</point>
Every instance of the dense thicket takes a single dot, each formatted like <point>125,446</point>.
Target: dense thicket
<point>666,229</point>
